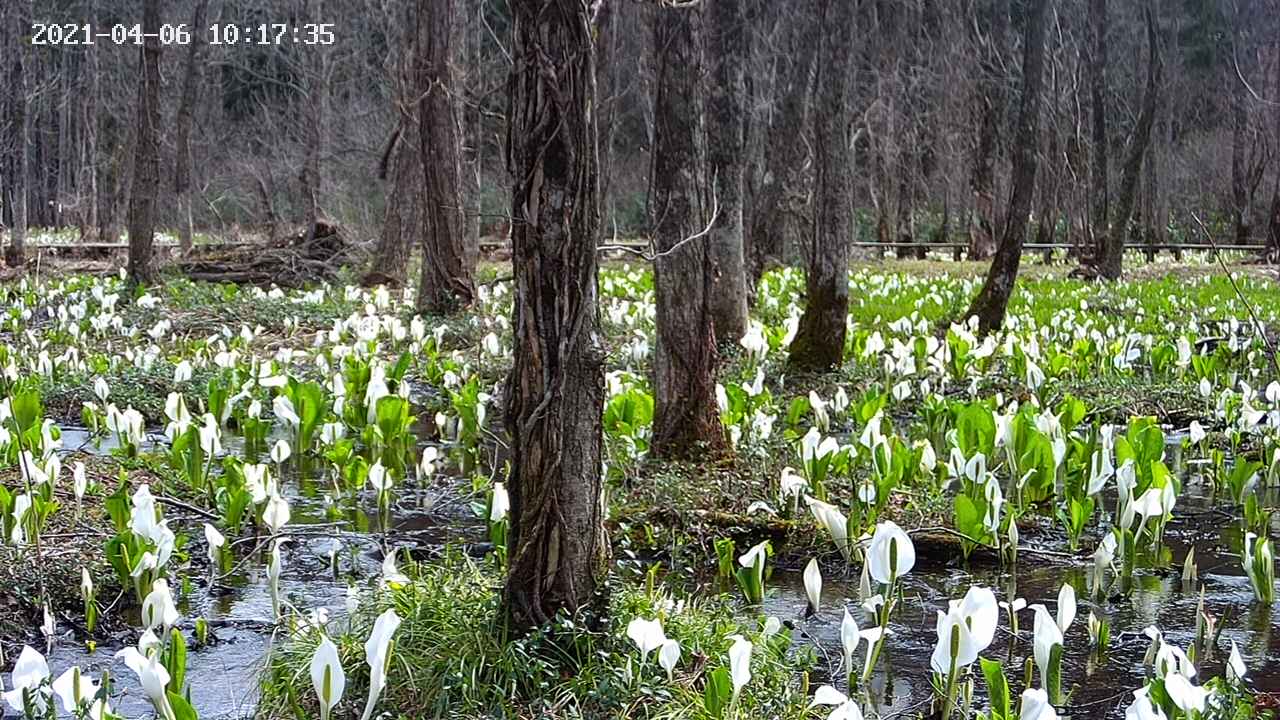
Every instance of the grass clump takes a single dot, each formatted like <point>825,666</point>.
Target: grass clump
<point>450,658</point>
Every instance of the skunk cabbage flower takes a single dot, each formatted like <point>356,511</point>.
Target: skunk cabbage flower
<point>74,690</point>
<point>376,651</point>
<point>28,678</point>
<point>1035,706</point>
<point>739,663</point>
<point>891,554</point>
<point>158,608</point>
<point>669,656</point>
<point>813,585</point>
<point>646,634</point>
<point>327,676</point>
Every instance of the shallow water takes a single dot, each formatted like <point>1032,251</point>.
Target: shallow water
<point>1098,686</point>
<point>224,675</point>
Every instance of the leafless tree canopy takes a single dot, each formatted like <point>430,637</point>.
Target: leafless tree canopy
<point>267,138</point>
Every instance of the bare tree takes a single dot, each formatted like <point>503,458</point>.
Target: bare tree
<point>686,418</point>
<point>15,254</point>
<point>819,340</point>
<point>1273,233</point>
<point>991,302</point>
<point>1099,175</point>
<point>1112,255</point>
<point>401,164</point>
<point>446,282</point>
<point>991,101</point>
<point>726,160</point>
<point>781,199</point>
<point>145,190</point>
<point>317,97</point>
<point>183,121</point>
<point>555,392</point>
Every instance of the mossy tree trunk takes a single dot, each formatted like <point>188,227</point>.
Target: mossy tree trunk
<point>686,419</point>
<point>819,340</point>
<point>993,300</point>
<point>146,158</point>
<point>555,392</point>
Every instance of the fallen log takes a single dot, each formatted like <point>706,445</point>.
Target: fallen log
<point>293,262</point>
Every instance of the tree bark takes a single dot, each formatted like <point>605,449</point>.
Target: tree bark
<point>146,159</point>
<point>1099,200</point>
<point>781,198</point>
<point>400,163</point>
<point>183,121</point>
<point>991,106</point>
<point>1273,231</point>
<point>555,393</point>
<point>686,419</point>
<point>992,301</point>
<point>819,340</point>
<point>401,216</point>
<point>447,282</point>
<point>726,159</point>
<point>1112,256</point>
<point>317,101</point>
<point>16,253</point>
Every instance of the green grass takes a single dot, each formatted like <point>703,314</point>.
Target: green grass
<point>450,658</point>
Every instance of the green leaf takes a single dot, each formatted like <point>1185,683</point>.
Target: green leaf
<point>182,709</point>
<point>997,688</point>
<point>719,692</point>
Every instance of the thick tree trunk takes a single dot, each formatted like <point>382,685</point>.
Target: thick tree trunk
<point>991,105</point>
<point>1099,198</point>
<point>447,282</point>
<point>400,164</point>
<point>726,160</point>
<point>16,253</point>
<point>686,419</point>
<point>183,121</point>
<point>1112,257</point>
<point>991,302</point>
<point>401,216</point>
<point>781,198</point>
<point>819,341</point>
<point>146,159</point>
<point>555,392</point>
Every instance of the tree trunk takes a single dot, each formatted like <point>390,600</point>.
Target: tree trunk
<point>1112,257</point>
<point>1240,191</point>
<point>555,392</point>
<point>183,119</point>
<point>401,217</point>
<point>447,281</point>
<point>819,341</point>
<point>146,158</point>
<point>781,197</point>
<point>686,419</point>
<point>1273,231</point>
<point>1099,200</point>
<point>16,254</point>
<point>991,105</point>
<point>402,214</point>
<point>991,302</point>
<point>726,158</point>
<point>317,97</point>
